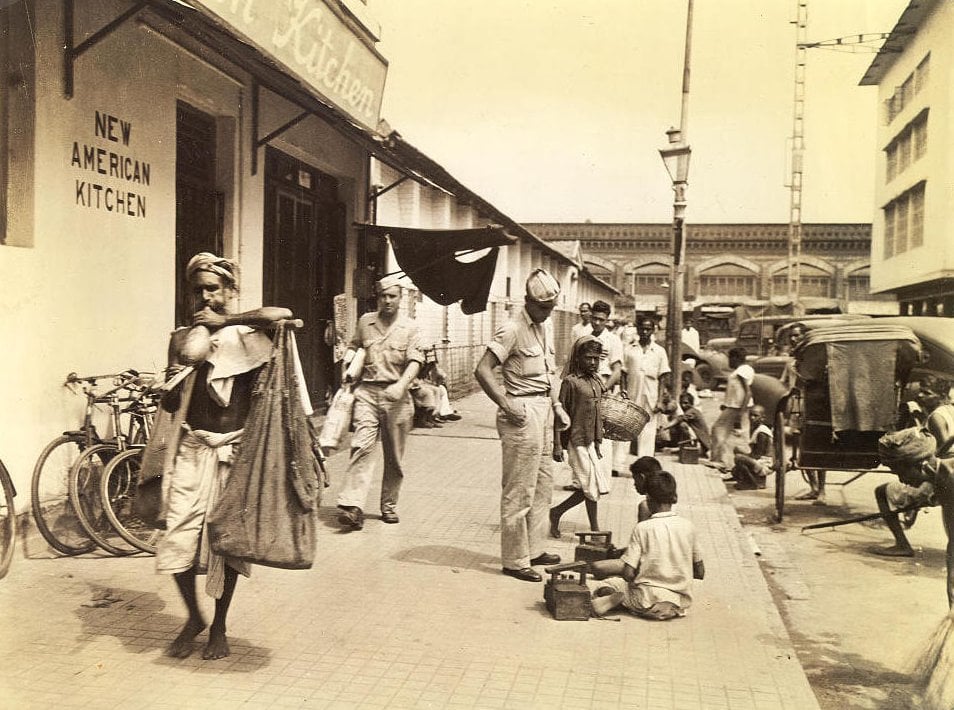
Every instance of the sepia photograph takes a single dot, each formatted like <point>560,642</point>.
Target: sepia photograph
<point>477,354</point>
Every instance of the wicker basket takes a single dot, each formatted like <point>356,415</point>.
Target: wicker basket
<point>623,419</point>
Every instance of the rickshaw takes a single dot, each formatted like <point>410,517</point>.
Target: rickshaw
<point>849,381</point>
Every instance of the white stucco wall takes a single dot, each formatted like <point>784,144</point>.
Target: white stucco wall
<point>935,258</point>
<point>95,291</point>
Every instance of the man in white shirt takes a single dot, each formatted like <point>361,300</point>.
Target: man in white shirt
<point>646,365</point>
<point>583,327</point>
<point>734,418</point>
<point>611,364</point>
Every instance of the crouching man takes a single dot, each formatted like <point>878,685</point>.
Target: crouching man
<point>227,350</point>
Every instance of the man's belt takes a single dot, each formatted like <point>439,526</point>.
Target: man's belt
<point>545,393</point>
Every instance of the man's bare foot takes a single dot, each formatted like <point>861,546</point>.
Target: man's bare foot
<point>183,645</point>
<point>218,645</point>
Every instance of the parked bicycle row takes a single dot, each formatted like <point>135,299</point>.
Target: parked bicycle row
<point>84,481</point>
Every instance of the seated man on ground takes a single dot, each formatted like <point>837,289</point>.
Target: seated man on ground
<point>689,426</point>
<point>655,574</point>
<point>753,466</point>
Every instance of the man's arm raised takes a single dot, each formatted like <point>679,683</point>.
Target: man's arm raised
<point>257,318</point>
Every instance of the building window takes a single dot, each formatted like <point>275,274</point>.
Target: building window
<point>904,222</point>
<point>650,279</point>
<point>728,280</point>
<point>910,87</point>
<point>916,233</point>
<point>889,231</point>
<point>812,281</point>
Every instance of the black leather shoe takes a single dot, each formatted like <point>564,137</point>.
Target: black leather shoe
<point>526,574</point>
<point>390,517</point>
<point>351,516</point>
<point>545,559</point>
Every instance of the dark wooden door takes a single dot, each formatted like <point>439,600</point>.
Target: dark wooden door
<point>305,259</point>
<point>199,222</point>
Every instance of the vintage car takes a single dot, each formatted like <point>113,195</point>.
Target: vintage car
<point>759,337</point>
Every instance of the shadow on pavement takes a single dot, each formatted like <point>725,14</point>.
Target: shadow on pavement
<point>136,620</point>
<point>448,556</point>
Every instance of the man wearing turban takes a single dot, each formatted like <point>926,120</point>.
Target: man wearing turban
<point>921,460</point>
<point>210,406</point>
<point>528,403</point>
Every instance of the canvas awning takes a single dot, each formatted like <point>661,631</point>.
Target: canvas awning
<point>430,258</point>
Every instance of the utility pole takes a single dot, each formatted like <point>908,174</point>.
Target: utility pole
<point>676,159</point>
<point>798,151</point>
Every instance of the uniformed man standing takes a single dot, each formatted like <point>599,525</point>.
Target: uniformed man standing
<point>528,402</point>
<point>383,407</point>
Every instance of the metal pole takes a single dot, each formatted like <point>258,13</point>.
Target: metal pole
<point>674,322</point>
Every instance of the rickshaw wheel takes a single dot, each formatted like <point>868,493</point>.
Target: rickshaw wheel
<point>781,465</point>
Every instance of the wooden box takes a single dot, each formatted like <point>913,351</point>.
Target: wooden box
<point>689,453</point>
<point>593,546</point>
<point>566,595</point>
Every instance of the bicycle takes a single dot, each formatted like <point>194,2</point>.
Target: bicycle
<point>118,487</point>
<point>49,487</point>
<point>8,520</point>
<point>86,475</point>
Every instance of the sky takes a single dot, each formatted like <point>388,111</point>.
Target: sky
<point>554,110</point>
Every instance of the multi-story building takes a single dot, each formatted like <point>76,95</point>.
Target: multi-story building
<point>912,253</point>
<point>728,263</point>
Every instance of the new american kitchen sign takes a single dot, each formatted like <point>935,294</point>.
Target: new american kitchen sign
<point>315,44</point>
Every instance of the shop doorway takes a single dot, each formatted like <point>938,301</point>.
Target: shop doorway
<point>304,259</point>
<point>199,205</point>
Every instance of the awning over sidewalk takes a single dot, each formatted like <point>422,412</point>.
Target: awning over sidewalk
<point>429,257</point>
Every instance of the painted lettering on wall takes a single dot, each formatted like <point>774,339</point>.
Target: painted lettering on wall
<point>118,178</point>
<point>314,43</point>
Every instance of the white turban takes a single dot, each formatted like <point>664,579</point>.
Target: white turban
<point>220,266</point>
<point>541,286</point>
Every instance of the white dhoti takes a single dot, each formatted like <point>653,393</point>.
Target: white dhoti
<point>198,477</point>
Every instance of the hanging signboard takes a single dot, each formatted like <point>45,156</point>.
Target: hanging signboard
<point>312,41</point>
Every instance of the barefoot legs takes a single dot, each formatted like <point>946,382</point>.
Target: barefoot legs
<point>184,643</point>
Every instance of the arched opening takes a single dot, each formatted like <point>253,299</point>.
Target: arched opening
<point>727,280</point>
<point>812,281</point>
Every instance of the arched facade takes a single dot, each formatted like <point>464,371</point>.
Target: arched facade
<point>730,262</point>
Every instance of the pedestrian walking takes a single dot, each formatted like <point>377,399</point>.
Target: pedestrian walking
<point>211,406</point>
<point>527,403</point>
<point>647,370</point>
<point>580,394</point>
<point>383,408</point>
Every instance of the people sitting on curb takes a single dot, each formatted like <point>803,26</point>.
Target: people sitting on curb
<point>653,579</point>
<point>753,465</point>
<point>689,426</point>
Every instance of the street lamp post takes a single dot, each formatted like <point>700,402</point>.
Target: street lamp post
<point>676,159</point>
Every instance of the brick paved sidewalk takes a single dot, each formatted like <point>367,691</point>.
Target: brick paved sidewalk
<point>415,615</point>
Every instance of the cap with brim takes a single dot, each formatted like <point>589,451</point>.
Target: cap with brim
<point>541,286</point>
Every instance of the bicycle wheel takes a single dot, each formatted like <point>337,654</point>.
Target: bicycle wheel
<point>8,521</point>
<point>87,502</point>
<point>118,487</point>
<point>50,497</point>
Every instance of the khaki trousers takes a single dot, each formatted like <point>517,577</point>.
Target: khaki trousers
<point>527,481</point>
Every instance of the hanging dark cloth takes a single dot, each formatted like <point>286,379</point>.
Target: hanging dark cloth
<point>427,258</point>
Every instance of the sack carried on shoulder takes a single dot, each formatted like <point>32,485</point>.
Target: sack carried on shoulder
<point>266,514</point>
<point>338,421</point>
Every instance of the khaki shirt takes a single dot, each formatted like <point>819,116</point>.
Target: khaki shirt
<point>526,354</point>
<point>388,350</point>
